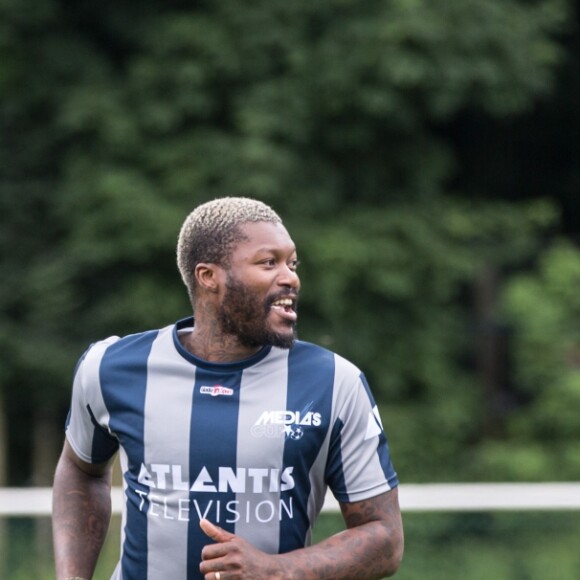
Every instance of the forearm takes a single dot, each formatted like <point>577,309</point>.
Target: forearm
<point>370,548</point>
<point>81,515</point>
<point>366,552</point>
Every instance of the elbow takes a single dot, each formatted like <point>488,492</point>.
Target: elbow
<point>393,565</point>
<point>394,555</point>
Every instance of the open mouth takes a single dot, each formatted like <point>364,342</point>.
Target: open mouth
<point>285,307</point>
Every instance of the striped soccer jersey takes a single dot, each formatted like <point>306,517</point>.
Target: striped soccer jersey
<point>252,445</point>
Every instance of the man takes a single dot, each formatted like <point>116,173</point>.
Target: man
<point>229,430</point>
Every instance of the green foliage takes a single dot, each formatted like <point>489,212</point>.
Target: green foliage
<point>543,437</point>
<point>386,288</point>
<point>503,546</point>
<point>545,307</point>
<point>119,118</point>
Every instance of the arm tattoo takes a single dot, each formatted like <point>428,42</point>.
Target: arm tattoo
<point>370,548</point>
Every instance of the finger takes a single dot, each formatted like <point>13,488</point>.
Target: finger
<point>215,532</point>
<point>210,566</point>
<point>214,551</point>
<point>215,576</point>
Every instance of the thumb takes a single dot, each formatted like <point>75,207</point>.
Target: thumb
<point>215,532</point>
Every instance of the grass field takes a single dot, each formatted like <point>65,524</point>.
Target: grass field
<point>466,546</point>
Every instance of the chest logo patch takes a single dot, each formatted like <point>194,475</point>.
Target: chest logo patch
<point>216,390</point>
<point>291,424</point>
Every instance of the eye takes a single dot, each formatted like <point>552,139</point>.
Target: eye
<point>293,265</point>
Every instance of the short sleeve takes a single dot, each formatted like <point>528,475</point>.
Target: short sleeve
<point>87,426</point>
<point>359,463</point>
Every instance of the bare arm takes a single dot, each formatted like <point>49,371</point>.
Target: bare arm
<point>371,548</point>
<point>81,512</point>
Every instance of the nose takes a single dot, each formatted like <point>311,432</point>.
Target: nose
<point>289,277</point>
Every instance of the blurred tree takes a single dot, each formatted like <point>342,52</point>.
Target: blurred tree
<point>118,118</point>
<point>542,438</point>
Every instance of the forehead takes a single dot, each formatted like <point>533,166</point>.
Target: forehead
<point>263,237</point>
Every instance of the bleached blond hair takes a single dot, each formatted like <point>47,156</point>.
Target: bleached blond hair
<point>212,229</point>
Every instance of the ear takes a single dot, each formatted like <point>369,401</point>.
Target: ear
<point>207,277</point>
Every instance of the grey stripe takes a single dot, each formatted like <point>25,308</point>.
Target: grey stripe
<point>166,450</point>
<point>264,387</point>
<point>124,463</point>
<point>363,474</point>
<point>318,485</point>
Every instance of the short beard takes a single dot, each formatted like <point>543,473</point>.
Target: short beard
<point>243,316</point>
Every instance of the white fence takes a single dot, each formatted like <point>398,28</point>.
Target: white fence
<point>413,497</point>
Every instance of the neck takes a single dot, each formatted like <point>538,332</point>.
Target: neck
<point>209,343</point>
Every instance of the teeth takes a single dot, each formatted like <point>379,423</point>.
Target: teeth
<point>283,302</point>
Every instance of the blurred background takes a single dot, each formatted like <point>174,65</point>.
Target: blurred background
<point>425,157</point>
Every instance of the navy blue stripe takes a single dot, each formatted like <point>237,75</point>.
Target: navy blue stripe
<point>104,446</point>
<point>334,475</point>
<point>213,444</point>
<point>310,386</point>
<point>383,445</point>
<point>123,375</point>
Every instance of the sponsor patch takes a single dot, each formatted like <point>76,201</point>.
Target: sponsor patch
<point>216,390</point>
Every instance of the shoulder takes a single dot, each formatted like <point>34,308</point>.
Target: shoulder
<point>122,345</point>
<point>131,340</point>
<point>94,353</point>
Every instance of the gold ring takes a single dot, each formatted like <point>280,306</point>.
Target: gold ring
<point>218,576</point>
